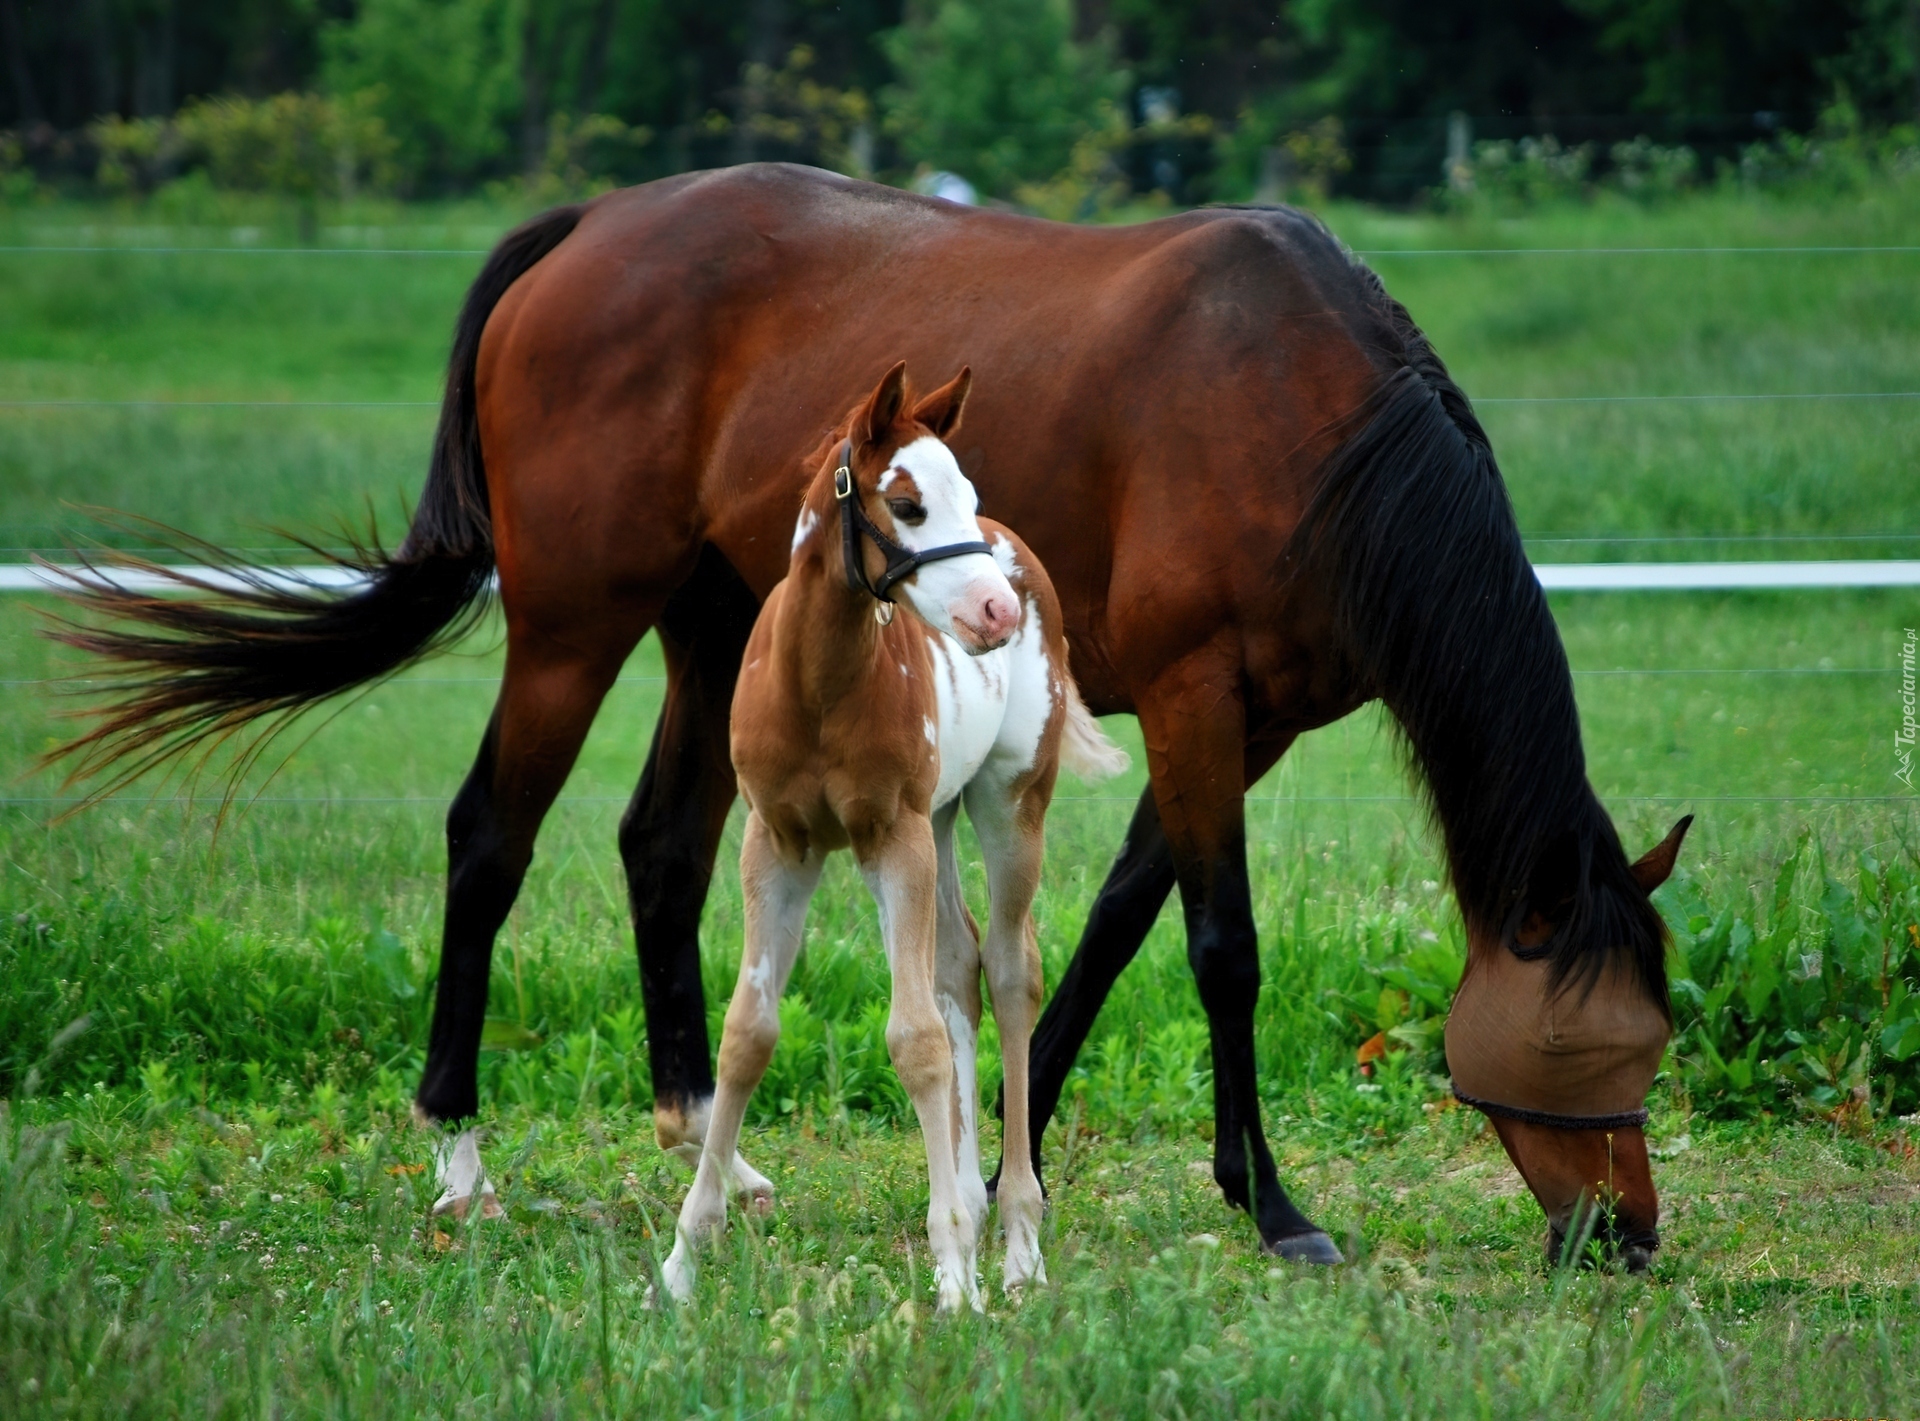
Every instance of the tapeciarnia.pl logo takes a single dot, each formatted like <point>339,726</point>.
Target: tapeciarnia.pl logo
<point>1904,736</point>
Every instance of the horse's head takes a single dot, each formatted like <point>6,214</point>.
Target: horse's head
<point>1562,1065</point>
<point>909,488</point>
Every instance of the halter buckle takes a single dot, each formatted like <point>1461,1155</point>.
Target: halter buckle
<point>843,483</point>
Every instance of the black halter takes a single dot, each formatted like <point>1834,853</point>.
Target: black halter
<point>900,561</point>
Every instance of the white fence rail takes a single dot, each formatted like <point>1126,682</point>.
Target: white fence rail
<point>1555,577</point>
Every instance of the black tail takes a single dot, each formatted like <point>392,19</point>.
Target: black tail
<point>254,651</point>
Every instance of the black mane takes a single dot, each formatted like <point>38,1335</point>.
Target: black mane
<point>1442,618</point>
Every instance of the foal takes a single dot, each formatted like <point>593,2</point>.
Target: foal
<point>852,728</point>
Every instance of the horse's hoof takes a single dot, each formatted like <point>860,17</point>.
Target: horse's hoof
<point>1311,1247</point>
<point>758,1201</point>
<point>454,1205</point>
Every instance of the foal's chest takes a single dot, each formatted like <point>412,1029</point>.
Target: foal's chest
<point>970,696</point>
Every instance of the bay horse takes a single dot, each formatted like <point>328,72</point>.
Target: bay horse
<point>1261,497</point>
<point>854,730</point>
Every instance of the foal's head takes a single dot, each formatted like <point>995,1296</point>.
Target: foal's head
<point>908,485</point>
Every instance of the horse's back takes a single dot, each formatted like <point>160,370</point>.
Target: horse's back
<point>674,363</point>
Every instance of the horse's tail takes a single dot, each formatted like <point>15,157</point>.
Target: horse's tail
<point>1084,747</point>
<point>253,647</point>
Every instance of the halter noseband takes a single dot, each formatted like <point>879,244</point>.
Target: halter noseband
<point>901,562</point>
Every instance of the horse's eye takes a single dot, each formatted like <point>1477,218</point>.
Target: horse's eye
<point>907,511</point>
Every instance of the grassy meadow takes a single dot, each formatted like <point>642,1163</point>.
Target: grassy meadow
<point>211,1201</point>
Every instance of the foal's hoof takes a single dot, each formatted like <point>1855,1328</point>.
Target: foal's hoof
<point>459,1206</point>
<point>1310,1247</point>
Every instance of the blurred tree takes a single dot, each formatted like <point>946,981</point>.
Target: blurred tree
<point>444,76</point>
<point>997,90</point>
<point>1733,56</point>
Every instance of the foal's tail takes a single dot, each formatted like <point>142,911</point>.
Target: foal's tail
<point>1084,747</point>
<point>253,647</point>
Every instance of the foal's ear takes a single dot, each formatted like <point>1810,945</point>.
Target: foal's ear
<point>1656,865</point>
<point>883,407</point>
<point>940,411</point>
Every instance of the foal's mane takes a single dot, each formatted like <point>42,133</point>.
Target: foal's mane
<point>1441,617</point>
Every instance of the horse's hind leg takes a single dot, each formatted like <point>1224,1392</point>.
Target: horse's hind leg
<point>1011,841</point>
<point>956,990</point>
<point>668,838</point>
<point>547,702</point>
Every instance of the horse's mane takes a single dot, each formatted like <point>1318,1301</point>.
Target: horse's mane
<point>1441,617</point>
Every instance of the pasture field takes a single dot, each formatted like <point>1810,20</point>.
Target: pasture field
<point>210,1199</point>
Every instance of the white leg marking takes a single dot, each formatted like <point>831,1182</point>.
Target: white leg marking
<point>1010,954</point>
<point>906,887</point>
<point>461,1177</point>
<point>776,895</point>
<point>964,1037</point>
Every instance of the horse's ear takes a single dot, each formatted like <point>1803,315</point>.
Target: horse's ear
<point>883,407</point>
<point>1654,868</point>
<point>940,411</point>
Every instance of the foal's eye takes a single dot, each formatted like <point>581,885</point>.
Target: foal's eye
<point>907,511</point>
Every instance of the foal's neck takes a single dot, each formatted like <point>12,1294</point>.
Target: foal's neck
<point>833,639</point>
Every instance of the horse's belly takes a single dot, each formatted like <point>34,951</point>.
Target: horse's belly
<point>972,703</point>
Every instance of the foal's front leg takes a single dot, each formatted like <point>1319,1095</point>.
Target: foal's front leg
<point>776,892</point>
<point>903,876</point>
<point>956,988</point>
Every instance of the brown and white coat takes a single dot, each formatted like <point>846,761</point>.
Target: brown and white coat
<point>853,728</point>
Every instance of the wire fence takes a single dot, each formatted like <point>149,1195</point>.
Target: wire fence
<point>1803,574</point>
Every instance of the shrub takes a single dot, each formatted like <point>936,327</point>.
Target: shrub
<point>303,146</point>
<point>997,90</point>
<point>441,74</point>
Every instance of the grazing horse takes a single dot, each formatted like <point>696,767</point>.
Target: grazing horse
<point>852,729</point>
<point>1260,495</point>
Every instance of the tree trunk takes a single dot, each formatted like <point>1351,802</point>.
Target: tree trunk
<point>766,20</point>
<point>15,40</point>
<point>594,67</point>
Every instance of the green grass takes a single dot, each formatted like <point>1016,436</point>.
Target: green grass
<point>199,1209</point>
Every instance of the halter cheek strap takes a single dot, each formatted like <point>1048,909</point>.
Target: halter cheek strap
<point>901,562</point>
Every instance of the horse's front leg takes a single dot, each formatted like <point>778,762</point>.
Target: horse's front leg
<point>776,890</point>
<point>1195,730</point>
<point>904,877</point>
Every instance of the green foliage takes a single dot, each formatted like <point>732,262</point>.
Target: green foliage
<point>998,90</point>
<point>1841,155</point>
<point>302,146</point>
<point>1805,997</point>
<point>442,75</point>
<point>1530,171</point>
<point>1263,155</point>
<point>792,107</point>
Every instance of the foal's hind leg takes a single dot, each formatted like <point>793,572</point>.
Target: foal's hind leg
<point>776,894</point>
<point>956,990</point>
<point>1011,841</point>
<point>547,701</point>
